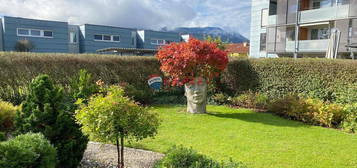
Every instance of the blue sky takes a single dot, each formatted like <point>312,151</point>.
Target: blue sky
<point>232,15</point>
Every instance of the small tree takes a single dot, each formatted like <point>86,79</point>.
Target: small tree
<point>24,46</point>
<point>113,117</point>
<point>220,44</point>
<point>44,111</point>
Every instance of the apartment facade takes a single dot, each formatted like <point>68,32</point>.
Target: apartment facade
<point>61,37</point>
<point>303,28</point>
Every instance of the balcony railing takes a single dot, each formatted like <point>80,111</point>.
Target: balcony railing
<point>308,45</point>
<point>324,14</point>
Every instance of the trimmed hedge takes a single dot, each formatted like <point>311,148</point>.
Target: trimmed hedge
<point>333,80</point>
<point>18,69</point>
<point>317,78</point>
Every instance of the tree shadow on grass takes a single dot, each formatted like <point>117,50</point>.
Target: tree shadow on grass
<point>264,118</point>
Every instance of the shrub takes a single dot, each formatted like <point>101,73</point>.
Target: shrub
<point>24,46</point>
<point>2,136</point>
<point>350,121</point>
<point>44,111</point>
<point>346,94</point>
<point>251,100</point>
<point>143,96</point>
<point>18,69</point>
<point>316,78</point>
<point>219,99</point>
<point>113,117</point>
<point>312,111</point>
<point>7,116</point>
<point>181,157</point>
<point>28,150</point>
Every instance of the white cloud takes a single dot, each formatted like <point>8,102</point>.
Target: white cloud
<point>150,14</point>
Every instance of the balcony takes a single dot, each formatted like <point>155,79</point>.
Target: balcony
<point>324,14</point>
<point>312,46</point>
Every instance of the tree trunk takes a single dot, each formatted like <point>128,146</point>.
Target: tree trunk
<point>122,151</point>
<point>118,150</point>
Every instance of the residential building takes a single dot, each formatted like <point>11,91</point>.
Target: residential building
<point>303,28</point>
<point>61,37</point>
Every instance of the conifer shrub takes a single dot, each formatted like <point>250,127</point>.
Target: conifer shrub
<point>45,111</point>
<point>27,151</point>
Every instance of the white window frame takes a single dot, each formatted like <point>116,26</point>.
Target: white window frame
<point>111,38</point>
<point>30,35</point>
<point>157,42</point>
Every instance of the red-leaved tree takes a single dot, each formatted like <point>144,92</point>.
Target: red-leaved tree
<point>182,62</point>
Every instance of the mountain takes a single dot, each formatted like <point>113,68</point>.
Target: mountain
<point>202,32</point>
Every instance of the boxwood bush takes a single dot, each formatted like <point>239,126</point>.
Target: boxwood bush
<point>28,150</point>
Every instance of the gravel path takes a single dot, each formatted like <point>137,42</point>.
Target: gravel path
<point>99,155</point>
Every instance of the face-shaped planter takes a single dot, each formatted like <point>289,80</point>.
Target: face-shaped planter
<point>196,94</point>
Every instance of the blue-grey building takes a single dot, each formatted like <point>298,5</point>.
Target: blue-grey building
<point>61,37</point>
<point>149,39</point>
<point>46,36</point>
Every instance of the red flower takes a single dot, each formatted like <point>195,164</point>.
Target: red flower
<point>185,61</point>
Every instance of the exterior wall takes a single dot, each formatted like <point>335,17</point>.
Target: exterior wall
<point>89,45</point>
<point>150,35</point>
<point>59,42</point>
<point>256,29</point>
<point>1,36</point>
<point>73,47</point>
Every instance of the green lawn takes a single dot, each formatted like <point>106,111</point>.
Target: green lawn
<point>260,140</point>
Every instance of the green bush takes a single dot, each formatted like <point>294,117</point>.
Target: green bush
<point>350,121</point>
<point>28,150</point>
<point>315,78</point>
<point>2,136</point>
<point>7,116</point>
<point>44,111</point>
<point>312,111</point>
<point>181,157</point>
<point>346,94</point>
<point>219,99</point>
<point>250,100</point>
<point>113,117</point>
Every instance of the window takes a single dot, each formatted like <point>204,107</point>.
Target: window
<point>116,38</point>
<point>23,32</point>
<point>72,37</point>
<point>316,4</point>
<point>107,38</point>
<point>319,34</point>
<point>273,7</point>
<point>98,37</point>
<point>48,33</point>
<point>264,17</point>
<point>263,41</point>
<point>158,42</point>
<point>34,33</point>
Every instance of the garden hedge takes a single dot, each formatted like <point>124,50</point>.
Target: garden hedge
<point>18,69</point>
<point>318,78</point>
